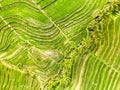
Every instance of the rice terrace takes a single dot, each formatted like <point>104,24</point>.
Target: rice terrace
<point>59,44</point>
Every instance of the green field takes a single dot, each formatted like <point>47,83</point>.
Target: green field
<point>59,45</point>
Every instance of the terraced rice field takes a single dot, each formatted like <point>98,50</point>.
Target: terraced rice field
<point>59,45</point>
